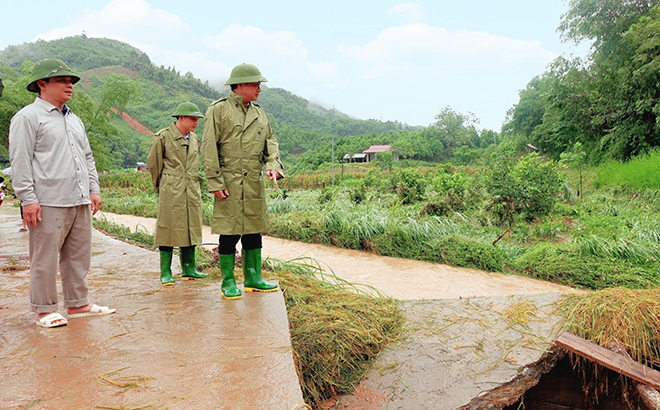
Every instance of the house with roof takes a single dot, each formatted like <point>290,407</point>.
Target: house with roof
<point>376,149</point>
<point>355,158</point>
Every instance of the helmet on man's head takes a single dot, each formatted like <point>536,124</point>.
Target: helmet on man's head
<point>187,109</point>
<point>50,68</point>
<point>245,73</point>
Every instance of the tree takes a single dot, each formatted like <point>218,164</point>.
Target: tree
<point>527,186</point>
<point>609,102</point>
<point>116,93</point>
<point>525,116</point>
<point>455,129</point>
<point>603,21</point>
<point>403,147</point>
<point>575,155</point>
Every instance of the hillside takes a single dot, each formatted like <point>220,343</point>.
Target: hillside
<point>298,124</point>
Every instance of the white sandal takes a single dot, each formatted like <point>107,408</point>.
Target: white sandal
<point>47,321</point>
<point>94,311</point>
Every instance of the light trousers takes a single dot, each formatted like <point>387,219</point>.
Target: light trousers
<point>64,236</point>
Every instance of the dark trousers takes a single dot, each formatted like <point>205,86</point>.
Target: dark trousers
<point>248,241</point>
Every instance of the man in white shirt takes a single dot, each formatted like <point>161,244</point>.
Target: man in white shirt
<point>54,176</point>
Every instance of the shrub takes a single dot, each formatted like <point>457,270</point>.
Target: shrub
<point>528,187</point>
<point>326,195</point>
<point>456,191</point>
<point>358,194</point>
<point>409,184</point>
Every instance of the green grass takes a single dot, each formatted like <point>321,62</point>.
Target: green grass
<point>639,173</point>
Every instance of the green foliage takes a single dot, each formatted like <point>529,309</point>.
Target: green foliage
<point>555,263</point>
<point>607,102</point>
<point>452,137</point>
<point>409,184</point>
<point>611,238</point>
<point>128,181</point>
<point>358,194</point>
<point>116,93</point>
<point>453,191</point>
<point>528,186</point>
<point>129,192</point>
<point>642,172</point>
<point>389,233</point>
<point>575,156</point>
<point>385,160</point>
<point>81,52</point>
<point>603,21</point>
<point>14,97</point>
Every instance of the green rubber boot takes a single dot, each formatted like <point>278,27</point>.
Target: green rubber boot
<point>188,269</point>
<point>254,282</point>
<point>166,268</point>
<point>229,289</point>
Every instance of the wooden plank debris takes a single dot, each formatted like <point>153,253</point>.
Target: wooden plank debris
<point>649,395</point>
<point>609,359</point>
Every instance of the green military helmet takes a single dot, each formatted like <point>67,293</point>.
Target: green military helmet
<point>187,109</point>
<point>245,73</point>
<point>47,69</point>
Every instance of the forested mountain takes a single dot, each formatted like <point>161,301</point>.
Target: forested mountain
<point>118,78</point>
<point>608,102</point>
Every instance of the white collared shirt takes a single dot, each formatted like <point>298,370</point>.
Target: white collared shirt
<point>52,162</point>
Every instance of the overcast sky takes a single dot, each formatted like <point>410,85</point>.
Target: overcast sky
<point>387,60</point>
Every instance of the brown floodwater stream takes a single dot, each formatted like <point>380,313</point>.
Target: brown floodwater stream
<point>400,278</point>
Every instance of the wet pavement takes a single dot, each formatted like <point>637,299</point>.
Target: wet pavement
<point>165,348</point>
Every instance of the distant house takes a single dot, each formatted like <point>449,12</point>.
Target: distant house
<point>375,149</point>
<point>360,158</point>
<point>355,158</point>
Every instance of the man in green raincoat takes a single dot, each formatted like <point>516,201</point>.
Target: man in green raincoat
<point>173,162</point>
<point>238,148</point>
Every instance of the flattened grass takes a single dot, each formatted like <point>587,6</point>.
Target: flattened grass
<point>631,317</point>
<point>337,329</point>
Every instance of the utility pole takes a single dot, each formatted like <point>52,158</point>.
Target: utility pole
<point>342,166</point>
<point>333,163</point>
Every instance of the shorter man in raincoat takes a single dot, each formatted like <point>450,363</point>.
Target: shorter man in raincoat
<point>173,162</point>
<point>238,146</point>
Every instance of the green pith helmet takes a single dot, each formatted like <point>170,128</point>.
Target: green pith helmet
<point>47,69</point>
<point>245,73</point>
<point>187,109</point>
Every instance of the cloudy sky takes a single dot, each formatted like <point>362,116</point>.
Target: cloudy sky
<point>387,60</point>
